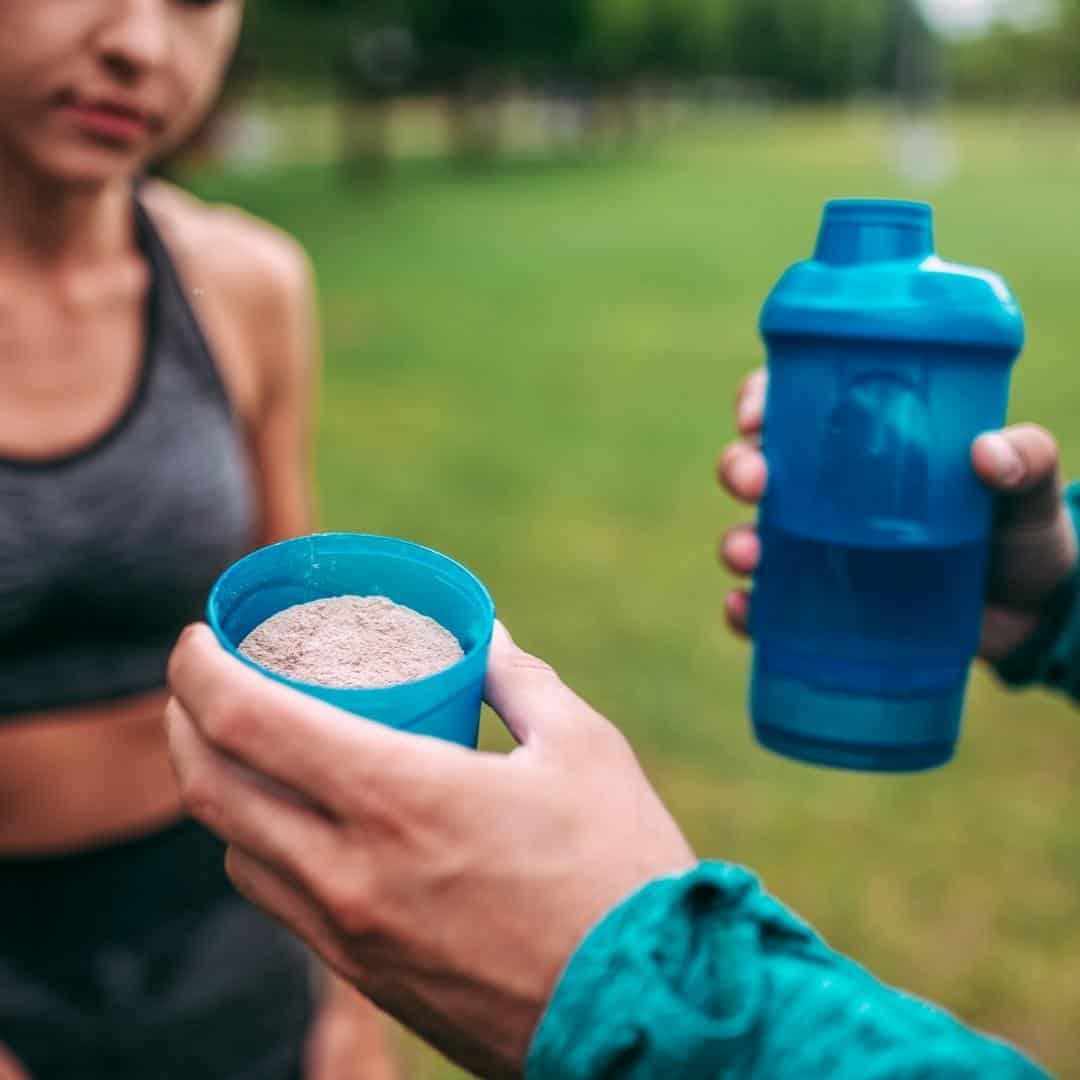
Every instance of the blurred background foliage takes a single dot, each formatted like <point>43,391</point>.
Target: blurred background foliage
<point>810,50</point>
<point>588,73</point>
<point>804,50</point>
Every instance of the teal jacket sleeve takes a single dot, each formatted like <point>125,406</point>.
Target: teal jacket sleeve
<point>705,975</point>
<point>1051,656</point>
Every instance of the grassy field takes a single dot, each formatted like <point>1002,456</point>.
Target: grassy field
<point>532,368</point>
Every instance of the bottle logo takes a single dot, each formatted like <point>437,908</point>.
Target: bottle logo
<point>875,464</point>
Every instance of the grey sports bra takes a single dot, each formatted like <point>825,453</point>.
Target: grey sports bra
<point>105,553</point>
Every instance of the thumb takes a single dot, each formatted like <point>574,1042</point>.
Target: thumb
<point>1021,462</point>
<point>533,702</point>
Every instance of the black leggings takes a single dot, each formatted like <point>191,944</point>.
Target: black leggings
<point>138,961</point>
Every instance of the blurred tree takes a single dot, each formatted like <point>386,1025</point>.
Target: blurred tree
<point>301,40</point>
<point>1014,61</point>
<point>806,48</point>
<point>376,67</point>
<point>825,49</point>
<point>616,30</point>
<point>912,58</point>
<point>814,48</point>
<point>473,49</point>
<point>471,53</point>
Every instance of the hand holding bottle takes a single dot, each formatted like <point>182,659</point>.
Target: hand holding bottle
<point>1033,547</point>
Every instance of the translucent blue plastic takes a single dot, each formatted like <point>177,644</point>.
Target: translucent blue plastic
<point>885,363</point>
<point>445,705</point>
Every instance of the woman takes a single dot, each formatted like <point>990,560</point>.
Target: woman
<point>157,358</point>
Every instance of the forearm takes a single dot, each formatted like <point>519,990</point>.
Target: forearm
<point>707,976</point>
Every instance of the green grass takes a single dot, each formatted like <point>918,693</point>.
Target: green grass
<point>532,369</point>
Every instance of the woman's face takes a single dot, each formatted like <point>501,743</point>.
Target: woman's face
<point>91,90</point>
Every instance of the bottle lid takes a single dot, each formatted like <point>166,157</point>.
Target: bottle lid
<point>874,230</point>
<point>874,275</point>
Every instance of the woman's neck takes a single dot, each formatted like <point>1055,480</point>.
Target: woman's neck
<point>46,224</point>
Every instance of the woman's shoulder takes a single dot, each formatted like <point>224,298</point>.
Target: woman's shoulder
<point>252,260</point>
<point>251,284</point>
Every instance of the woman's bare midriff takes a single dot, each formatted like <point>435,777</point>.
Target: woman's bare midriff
<point>81,777</point>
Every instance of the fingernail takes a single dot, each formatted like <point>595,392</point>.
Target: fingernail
<point>747,414</point>
<point>1008,465</point>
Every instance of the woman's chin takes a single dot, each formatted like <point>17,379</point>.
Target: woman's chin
<point>88,165</point>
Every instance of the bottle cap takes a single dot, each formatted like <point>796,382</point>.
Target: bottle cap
<point>874,230</point>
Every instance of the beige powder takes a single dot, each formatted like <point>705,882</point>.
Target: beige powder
<point>352,641</point>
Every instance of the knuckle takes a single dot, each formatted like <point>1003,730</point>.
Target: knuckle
<point>603,740</point>
<point>524,661</point>
<point>200,798</point>
<point>741,533</point>
<point>617,750</point>
<point>1029,427</point>
<point>1039,450</point>
<point>728,457</point>
<point>350,907</point>
<point>174,668</point>
<point>229,722</point>
<point>240,872</point>
<point>173,716</point>
<point>1046,438</point>
<point>1036,433</point>
<point>752,387</point>
<point>750,382</point>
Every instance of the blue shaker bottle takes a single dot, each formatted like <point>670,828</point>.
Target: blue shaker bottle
<point>885,362</point>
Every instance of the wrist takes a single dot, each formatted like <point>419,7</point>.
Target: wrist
<point>676,963</point>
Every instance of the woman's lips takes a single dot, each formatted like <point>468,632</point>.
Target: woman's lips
<point>110,121</point>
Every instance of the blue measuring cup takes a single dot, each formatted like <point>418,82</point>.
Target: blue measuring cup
<point>446,704</point>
